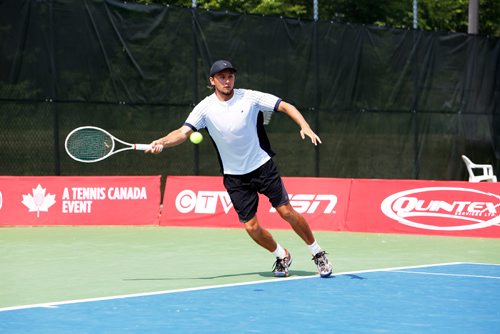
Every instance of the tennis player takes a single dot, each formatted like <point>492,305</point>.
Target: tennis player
<point>234,120</point>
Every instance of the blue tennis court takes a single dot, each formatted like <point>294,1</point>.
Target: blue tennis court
<point>454,298</point>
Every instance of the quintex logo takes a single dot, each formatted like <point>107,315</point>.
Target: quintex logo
<point>443,208</point>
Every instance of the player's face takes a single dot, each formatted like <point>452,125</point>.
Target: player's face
<point>223,83</point>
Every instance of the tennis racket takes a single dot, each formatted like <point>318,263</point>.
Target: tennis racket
<point>92,144</point>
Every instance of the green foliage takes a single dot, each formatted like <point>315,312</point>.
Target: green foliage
<point>451,15</point>
<point>447,15</point>
<point>489,17</point>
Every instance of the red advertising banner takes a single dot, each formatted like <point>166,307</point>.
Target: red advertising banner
<point>448,208</point>
<point>203,201</point>
<point>445,208</point>
<point>57,200</point>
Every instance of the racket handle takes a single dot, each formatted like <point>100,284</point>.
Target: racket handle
<point>142,147</point>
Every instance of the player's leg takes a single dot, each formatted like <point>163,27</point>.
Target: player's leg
<point>245,202</point>
<point>260,235</point>
<point>301,227</point>
<point>297,222</point>
<point>271,185</point>
<point>274,189</point>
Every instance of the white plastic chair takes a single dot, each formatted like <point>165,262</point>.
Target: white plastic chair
<point>486,169</point>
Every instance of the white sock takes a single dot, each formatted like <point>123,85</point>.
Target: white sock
<point>314,248</point>
<point>279,252</point>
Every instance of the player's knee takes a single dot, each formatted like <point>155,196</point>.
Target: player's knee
<point>287,213</point>
<point>252,225</point>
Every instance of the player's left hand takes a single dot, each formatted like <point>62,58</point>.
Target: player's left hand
<point>310,133</point>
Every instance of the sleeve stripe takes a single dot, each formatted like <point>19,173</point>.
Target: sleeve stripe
<point>277,104</point>
<point>191,126</point>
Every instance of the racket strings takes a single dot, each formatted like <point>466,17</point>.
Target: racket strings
<point>89,144</point>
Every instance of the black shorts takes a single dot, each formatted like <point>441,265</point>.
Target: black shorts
<point>244,189</point>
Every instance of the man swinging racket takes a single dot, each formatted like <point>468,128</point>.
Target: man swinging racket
<point>234,120</point>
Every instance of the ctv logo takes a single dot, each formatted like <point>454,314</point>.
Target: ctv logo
<point>443,208</point>
<point>206,202</point>
<point>202,202</point>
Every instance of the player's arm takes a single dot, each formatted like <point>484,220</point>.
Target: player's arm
<point>296,116</point>
<point>174,138</point>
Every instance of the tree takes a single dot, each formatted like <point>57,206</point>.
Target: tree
<point>447,15</point>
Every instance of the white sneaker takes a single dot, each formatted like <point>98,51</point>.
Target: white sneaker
<point>324,267</point>
<point>280,268</point>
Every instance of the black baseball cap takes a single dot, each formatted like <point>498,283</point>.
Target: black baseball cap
<point>221,65</point>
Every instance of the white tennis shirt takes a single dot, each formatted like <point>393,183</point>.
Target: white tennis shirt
<point>236,128</point>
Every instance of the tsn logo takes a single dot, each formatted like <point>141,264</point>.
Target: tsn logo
<point>207,202</point>
<point>309,203</point>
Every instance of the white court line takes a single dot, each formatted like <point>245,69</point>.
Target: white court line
<point>441,274</point>
<point>274,280</point>
<point>482,264</point>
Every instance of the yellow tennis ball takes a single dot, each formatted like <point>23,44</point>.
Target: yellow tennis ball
<point>196,138</point>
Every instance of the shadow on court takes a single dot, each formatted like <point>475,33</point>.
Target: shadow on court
<point>352,276</point>
<point>267,274</point>
<point>297,273</point>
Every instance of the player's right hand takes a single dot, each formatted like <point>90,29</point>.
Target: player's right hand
<point>156,147</point>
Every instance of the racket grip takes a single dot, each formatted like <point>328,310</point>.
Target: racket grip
<point>142,147</point>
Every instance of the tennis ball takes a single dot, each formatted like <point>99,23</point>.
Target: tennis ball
<point>196,138</point>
